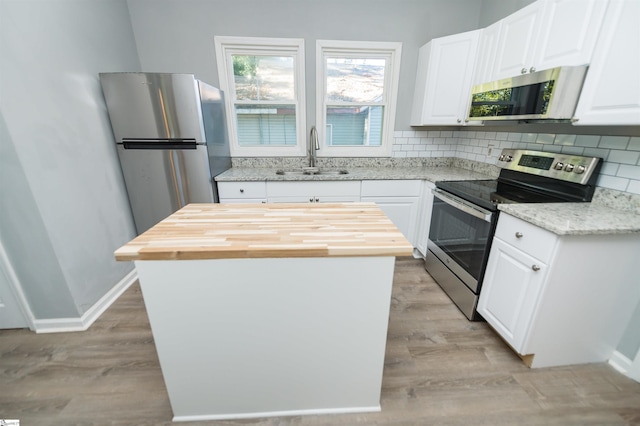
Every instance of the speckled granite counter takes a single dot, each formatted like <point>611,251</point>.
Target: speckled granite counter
<point>432,174</point>
<point>612,212</point>
<point>576,218</point>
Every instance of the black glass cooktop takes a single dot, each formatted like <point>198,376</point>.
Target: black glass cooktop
<point>490,193</point>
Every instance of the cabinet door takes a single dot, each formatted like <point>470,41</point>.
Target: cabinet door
<point>510,291</point>
<point>403,212</point>
<point>611,91</point>
<point>518,36</point>
<point>487,50</point>
<point>443,80</point>
<point>569,32</point>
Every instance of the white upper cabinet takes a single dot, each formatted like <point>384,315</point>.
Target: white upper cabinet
<point>487,50</point>
<point>444,79</point>
<point>611,91</point>
<point>518,36</point>
<point>547,34</point>
<point>569,33</point>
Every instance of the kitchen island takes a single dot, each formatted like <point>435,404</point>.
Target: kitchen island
<point>269,309</point>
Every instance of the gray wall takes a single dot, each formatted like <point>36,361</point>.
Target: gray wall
<point>190,49</point>
<point>494,10</point>
<point>63,206</point>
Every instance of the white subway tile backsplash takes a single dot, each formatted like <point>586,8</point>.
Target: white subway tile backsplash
<point>545,138</point>
<point>565,140</point>
<point>514,137</point>
<point>623,157</point>
<point>610,169</point>
<point>614,142</point>
<point>634,187</point>
<point>590,141</point>
<point>620,171</point>
<point>574,150</point>
<point>613,182</point>
<point>631,172</point>
<point>596,152</point>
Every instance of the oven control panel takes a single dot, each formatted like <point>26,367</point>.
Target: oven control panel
<point>571,168</point>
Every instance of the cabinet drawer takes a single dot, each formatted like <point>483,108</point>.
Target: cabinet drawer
<point>529,238</point>
<point>391,188</point>
<point>242,190</point>
<point>318,189</point>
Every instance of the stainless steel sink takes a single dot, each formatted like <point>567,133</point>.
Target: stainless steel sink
<point>312,171</point>
<point>290,172</point>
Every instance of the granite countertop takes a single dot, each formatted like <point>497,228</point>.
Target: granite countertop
<point>576,218</point>
<point>561,219</point>
<point>432,174</point>
<point>234,231</point>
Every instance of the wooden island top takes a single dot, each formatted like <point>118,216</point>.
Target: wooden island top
<point>232,231</point>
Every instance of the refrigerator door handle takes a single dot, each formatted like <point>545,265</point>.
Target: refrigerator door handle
<point>177,177</point>
<point>159,145</point>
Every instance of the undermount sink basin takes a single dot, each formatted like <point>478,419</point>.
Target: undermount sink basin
<point>312,171</point>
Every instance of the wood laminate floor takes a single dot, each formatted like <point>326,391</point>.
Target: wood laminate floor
<point>440,369</point>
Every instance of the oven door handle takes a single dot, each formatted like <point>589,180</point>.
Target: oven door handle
<point>463,205</point>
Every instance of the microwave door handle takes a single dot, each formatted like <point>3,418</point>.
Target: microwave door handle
<point>460,204</point>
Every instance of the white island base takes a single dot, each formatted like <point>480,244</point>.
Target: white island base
<point>242,338</point>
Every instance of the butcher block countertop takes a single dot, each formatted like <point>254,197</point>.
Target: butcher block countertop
<point>228,231</point>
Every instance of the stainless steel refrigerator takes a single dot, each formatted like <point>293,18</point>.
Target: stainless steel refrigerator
<point>171,136</point>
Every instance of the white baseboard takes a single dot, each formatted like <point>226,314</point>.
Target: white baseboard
<point>64,325</point>
<point>320,411</point>
<point>620,362</point>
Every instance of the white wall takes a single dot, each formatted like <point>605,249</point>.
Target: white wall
<point>64,207</point>
<point>189,48</point>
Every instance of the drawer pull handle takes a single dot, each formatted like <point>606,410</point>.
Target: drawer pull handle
<point>518,234</point>
<point>241,191</point>
<point>536,268</point>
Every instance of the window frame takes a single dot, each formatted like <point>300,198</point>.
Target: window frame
<point>225,47</point>
<point>392,51</point>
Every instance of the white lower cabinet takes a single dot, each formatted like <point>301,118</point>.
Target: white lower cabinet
<point>508,300</point>
<point>242,192</point>
<point>406,202</point>
<point>399,200</point>
<point>313,192</point>
<point>559,299</point>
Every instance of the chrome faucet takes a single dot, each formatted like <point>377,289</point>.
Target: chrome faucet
<point>313,146</point>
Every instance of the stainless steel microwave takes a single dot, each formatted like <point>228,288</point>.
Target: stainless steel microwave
<point>543,95</point>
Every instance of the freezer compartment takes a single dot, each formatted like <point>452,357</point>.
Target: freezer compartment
<point>153,105</point>
<point>161,181</point>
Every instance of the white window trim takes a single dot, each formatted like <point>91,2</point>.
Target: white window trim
<point>394,51</point>
<point>225,46</point>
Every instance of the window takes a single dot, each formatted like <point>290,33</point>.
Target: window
<point>356,94</point>
<point>263,81</point>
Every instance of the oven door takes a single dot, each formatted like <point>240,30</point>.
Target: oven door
<point>460,236</point>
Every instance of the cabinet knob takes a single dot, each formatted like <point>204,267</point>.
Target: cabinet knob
<point>523,71</point>
<point>518,234</point>
<point>532,69</point>
<point>317,200</point>
<point>459,121</point>
<point>535,268</point>
<point>311,200</point>
<point>241,191</point>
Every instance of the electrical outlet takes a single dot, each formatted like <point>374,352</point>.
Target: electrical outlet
<point>490,149</point>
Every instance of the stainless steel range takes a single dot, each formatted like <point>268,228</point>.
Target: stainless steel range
<point>465,213</point>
